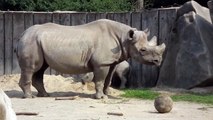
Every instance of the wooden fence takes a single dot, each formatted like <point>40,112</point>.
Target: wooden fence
<point>12,24</point>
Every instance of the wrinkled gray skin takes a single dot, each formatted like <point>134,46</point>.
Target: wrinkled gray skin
<point>94,47</point>
<point>121,70</point>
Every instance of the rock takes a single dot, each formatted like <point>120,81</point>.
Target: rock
<point>6,111</point>
<point>189,57</point>
<point>163,104</point>
<point>195,7</point>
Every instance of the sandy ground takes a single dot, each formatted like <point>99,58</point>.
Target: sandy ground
<point>86,108</point>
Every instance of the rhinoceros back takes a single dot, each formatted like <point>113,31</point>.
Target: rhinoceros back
<point>69,49</point>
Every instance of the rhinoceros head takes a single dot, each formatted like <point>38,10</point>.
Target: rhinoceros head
<point>144,51</point>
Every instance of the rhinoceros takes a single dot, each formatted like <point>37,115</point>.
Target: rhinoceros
<point>122,69</point>
<point>95,47</point>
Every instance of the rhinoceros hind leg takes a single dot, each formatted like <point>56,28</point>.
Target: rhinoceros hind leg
<point>37,81</point>
<point>25,83</point>
<point>123,82</point>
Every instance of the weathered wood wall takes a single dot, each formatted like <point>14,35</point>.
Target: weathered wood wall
<point>12,24</point>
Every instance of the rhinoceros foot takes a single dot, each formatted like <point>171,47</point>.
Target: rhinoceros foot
<point>106,91</point>
<point>43,95</point>
<point>28,96</point>
<point>100,96</point>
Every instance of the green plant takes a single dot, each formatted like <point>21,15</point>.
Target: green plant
<point>68,5</point>
<point>151,95</point>
<point>198,98</point>
<point>140,93</point>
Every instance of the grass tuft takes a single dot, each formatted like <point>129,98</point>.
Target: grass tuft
<point>140,93</point>
<point>148,94</point>
<point>197,98</point>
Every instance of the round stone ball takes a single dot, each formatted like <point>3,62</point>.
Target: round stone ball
<point>163,104</point>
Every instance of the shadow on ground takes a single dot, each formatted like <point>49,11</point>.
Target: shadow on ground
<point>19,94</point>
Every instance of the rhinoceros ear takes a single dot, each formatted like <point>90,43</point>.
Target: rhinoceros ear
<point>131,33</point>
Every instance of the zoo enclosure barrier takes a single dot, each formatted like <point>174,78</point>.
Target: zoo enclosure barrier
<point>13,23</point>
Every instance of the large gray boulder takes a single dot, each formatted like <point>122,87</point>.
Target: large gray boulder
<point>189,58</point>
<point>6,110</point>
<point>195,7</point>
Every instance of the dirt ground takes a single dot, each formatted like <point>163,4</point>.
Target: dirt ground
<point>86,108</point>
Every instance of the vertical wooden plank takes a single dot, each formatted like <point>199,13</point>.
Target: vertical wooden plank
<point>136,67</point>
<point>91,17</point>
<point>136,20</point>
<point>2,43</point>
<point>28,20</point>
<point>110,16</point>
<point>18,28</point>
<point>64,19</point>
<point>166,21</point>
<point>56,17</point>
<point>120,17</point>
<point>40,18</point>
<point>100,16</point>
<point>78,18</point>
<point>150,21</point>
<point>95,16</point>
<point>150,73</point>
<point>8,42</point>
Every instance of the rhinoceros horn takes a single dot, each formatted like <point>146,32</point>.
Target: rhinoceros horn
<point>161,48</point>
<point>147,31</point>
<point>153,41</point>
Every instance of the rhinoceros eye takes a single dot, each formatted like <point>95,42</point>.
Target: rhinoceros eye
<point>142,51</point>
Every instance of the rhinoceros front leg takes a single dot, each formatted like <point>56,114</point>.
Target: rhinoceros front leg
<point>100,75</point>
<point>109,79</point>
<point>25,83</point>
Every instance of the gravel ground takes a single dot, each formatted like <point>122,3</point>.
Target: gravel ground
<point>86,108</point>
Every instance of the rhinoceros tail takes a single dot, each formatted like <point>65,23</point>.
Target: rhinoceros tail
<point>16,45</point>
<point>16,50</point>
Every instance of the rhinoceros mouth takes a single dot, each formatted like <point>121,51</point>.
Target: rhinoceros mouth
<point>149,63</point>
<point>157,63</point>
